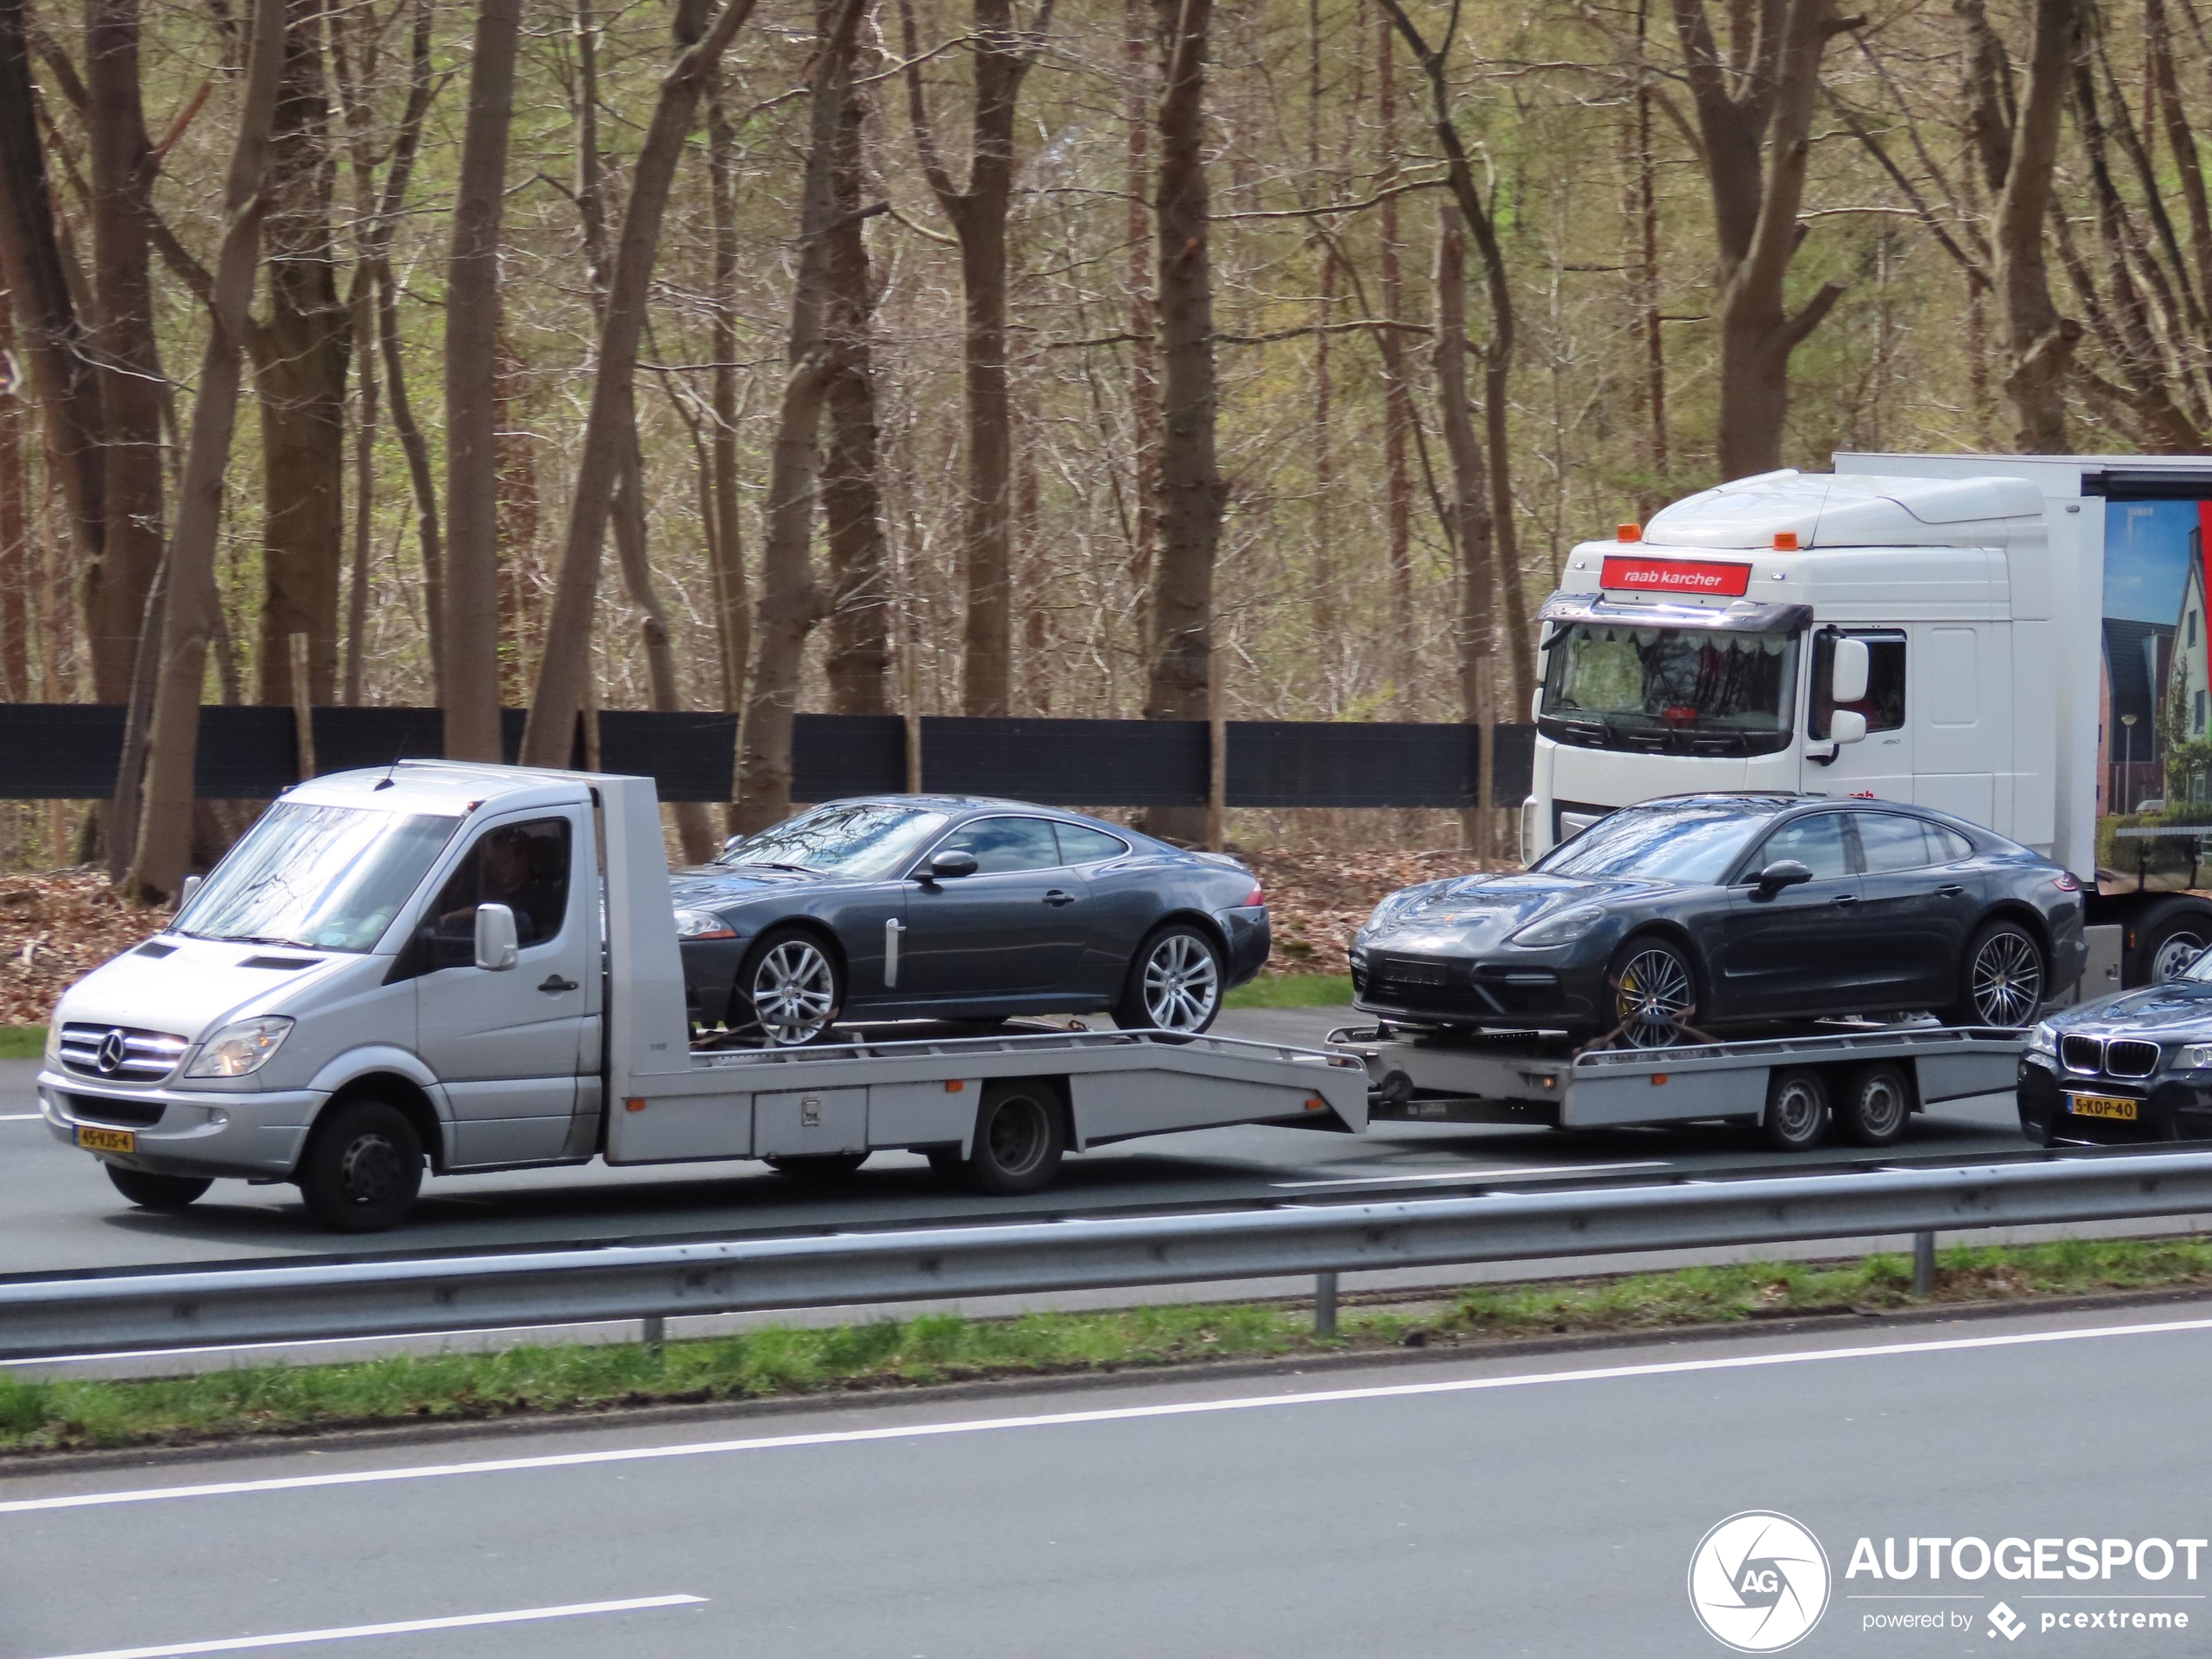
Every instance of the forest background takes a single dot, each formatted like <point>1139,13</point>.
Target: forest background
<point>1072,357</point>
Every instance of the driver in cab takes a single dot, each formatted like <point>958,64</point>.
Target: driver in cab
<point>505,875</point>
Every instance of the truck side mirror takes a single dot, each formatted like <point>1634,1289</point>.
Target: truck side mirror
<point>495,943</point>
<point>184,892</point>
<point>1847,726</point>
<point>1847,675</point>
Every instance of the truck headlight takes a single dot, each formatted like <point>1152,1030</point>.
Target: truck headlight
<point>2044,1039</point>
<point>237,1049</point>
<point>1564,928</point>
<point>2196,1057</point>
<point>702,924</point>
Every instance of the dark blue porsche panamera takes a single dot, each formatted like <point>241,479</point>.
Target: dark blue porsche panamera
<point>953,907</point>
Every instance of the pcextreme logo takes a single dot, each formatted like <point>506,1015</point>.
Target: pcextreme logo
<point>1758,1581</point>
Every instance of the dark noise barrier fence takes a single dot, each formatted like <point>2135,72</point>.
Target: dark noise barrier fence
<point>69,752</point>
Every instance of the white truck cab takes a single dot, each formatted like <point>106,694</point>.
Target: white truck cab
<point>1972,633</point>
<point>476,967</point>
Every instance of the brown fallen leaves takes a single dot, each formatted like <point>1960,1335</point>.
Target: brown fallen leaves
<point>1316,897</point>
<point>55,929</point>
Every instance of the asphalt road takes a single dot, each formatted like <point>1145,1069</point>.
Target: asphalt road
<point>1544,1505</point>
<point>57,1210</point>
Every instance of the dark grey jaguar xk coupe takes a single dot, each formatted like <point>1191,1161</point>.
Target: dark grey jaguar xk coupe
<point>951,907</point>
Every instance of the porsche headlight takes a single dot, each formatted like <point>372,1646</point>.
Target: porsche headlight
<point>1561,928</point>
<point>702,924</point>
<point>2044,1039</point>
<point>237,1049</point>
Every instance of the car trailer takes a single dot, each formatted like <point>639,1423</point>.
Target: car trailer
<point>1869,1078</point>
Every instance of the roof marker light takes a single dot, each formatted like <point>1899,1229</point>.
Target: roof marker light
<point>1628,532</point>
<point>1785,541</point>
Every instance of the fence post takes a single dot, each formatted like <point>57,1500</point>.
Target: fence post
<point>1324,1304</point>
<point>652,1331</point>
<point>1924,1265</point>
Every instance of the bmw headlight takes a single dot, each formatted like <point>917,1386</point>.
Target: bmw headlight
<point>237,1049</point>
<point>1563,927</point>
<point>2044,1039</point>
<point>702,924</point>
<point>2197,1056</point>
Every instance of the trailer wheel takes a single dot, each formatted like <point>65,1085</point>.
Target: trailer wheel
<point>1796,1111</point>
<point>1021,1133</point>
<point>362,1168</point>
<point>820,1167</point>
<point>1875,1105</point>
<point>169,1193</point>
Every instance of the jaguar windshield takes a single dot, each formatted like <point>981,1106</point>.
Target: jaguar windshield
<point>324,878</point>
<point>1692,843</point>
<point>860,841</point>
<point>1677,691</point>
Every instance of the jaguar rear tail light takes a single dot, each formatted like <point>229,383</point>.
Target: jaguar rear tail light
<point>1256,899</point>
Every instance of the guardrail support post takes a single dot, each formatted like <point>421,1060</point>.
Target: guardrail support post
<point>1924,1265</point>
<point>652,1331</point>
<point>1324,1304</point>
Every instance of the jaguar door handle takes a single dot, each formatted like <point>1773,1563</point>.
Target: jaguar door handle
<point>1056,897</point>
<point>555,984</point>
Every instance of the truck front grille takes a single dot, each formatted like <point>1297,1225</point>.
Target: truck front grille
<point>120,1054</point>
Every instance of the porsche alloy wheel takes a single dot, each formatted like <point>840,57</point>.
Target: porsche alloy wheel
<point>1656,996</point>
<point>2005,978</point>
<point>792,987</point>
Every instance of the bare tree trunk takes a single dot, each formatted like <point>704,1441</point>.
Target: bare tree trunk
<point>733,609</point>
<point>16,573</point>
<point>1191,493</point>
<point>1645,286</point>
<point>1470,513</point>
<point>611,429</point>
<point>792,601</point>
<point>1757,143</point>
<point>301,359</point>
<point>1398,392</point>
<point>1143,325</point>
<point>2042,342</point>
<point>195,607</point>
<point>48,326</point>
<point>471,607</point>
<point>693,829</point>
<point>852,501</point>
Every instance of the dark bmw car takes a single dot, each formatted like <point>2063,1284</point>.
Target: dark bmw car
<point>2136,1067</point>
<point>949,907</point>
<point>1696,912</point>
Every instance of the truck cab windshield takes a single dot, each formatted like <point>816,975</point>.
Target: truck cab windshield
<point>1669,691</point>
<point>321,878</point>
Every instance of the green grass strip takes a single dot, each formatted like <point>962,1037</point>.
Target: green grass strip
<point>1292,991</point>
<point>23,1041</point>
<point>783,1360</point>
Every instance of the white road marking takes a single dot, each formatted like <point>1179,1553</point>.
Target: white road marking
<point>1057,1419</point>
<point>20,1117</point>
<point>1505,1171</point>
<point>353,1632</point>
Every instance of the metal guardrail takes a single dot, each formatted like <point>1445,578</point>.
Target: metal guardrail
<point>108,1312</point>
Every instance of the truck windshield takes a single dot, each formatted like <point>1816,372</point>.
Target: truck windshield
<point>1674,690</point>
<point>322,878</point>
<point>1690,842</point>
<point>860,841</point>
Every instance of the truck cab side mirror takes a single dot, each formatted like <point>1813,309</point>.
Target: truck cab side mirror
<point>1782,872</point>
<point>495,943</point>
<point>184,892</point>
<point>1847,675</point>
<point>1847,726</point>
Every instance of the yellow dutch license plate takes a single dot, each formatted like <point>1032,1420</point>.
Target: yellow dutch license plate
<point>2101,1106</point>
<point>113,1140</point>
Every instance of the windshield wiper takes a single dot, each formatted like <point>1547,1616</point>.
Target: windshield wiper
<point>771,864</point>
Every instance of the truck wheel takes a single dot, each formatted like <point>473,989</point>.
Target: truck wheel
<point>818,1167</point>
<point>1654,995</point>
<point>1875,1105</point>
<point>1174,982</point>
<point>2002,979</point>
<point>164,1192</point>
<point>1796,1111</point>
<point>2168,940</point>
<point>1021,1133</point>
<point>362,1168</point>
<point>789,991</point>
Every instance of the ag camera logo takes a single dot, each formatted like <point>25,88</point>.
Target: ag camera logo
<point>1758,1581</point>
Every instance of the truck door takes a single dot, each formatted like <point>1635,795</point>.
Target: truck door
<point>1784,952</point>
<point>1879,765</point>
<point>1952,729</point>
<point>507,1045</point>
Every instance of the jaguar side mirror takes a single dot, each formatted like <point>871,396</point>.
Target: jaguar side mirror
<point>1782,872</point>
<point>950,865</point>
<point>496,942</point>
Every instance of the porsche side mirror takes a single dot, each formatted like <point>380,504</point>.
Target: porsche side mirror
<point>732,843</point>
<point>1782,872</point>
<point>495,940</point>
<point>950,865</point>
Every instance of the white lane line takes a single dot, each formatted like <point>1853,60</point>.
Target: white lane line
<point>1508,1171</point>
<point>20,1117</point>
<point>1056,1419</point>
<point>409,1627</point>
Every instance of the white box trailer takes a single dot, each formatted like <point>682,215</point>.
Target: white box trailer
<point>337,1005</point>
<point>2037,634</point>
